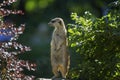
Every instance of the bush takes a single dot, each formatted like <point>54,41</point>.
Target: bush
<point>97,40</point>
<point>11,67</point>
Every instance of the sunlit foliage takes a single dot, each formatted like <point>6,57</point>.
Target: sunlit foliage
<point>97,40</point>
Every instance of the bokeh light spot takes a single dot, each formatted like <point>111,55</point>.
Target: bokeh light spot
<point>30,5</point>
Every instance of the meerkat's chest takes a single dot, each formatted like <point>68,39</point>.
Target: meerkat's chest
<point>58,37</point>
<point>55,38</point>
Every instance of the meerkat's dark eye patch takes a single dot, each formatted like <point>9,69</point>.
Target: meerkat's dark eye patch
<point>53,21</point>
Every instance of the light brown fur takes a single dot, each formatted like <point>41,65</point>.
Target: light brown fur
<point>60,58</point>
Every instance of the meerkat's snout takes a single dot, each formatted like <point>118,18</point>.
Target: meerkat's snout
<point>52,22</point>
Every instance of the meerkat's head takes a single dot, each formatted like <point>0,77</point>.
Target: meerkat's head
<point>56,22</point>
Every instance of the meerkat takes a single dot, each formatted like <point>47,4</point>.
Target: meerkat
<point>60,58</point>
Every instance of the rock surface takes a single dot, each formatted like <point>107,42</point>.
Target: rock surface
<point>49,79</point>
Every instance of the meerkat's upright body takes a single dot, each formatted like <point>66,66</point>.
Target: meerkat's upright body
<point>60,58</point>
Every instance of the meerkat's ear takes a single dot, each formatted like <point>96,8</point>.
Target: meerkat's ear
<point>60,22</point>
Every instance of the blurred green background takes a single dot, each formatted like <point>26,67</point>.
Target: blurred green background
<point>37,34</point>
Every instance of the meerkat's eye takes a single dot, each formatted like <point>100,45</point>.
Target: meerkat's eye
<point>53,21</point>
